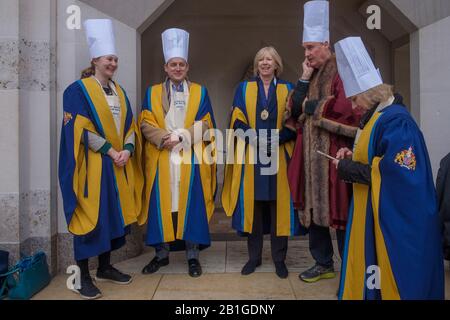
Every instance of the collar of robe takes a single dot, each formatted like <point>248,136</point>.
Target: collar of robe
<point>378,108</point>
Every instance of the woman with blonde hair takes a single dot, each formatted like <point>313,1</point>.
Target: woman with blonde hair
<point>258,198</point>
<point>99,169</point>
<point>393,244</point>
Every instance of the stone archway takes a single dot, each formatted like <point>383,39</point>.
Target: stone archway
<point>224,37</point>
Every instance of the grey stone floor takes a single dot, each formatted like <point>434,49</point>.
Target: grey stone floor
<point>221,278</point>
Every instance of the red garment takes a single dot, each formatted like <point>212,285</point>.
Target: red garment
<point>333,126</point>
<point>340,110</point>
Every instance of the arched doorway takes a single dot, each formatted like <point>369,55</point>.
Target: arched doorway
<point>224,37</point>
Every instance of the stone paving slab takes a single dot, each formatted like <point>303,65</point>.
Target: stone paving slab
<point>212,260</point>
<point>221,263</point>
<point>141,288</point>
<point>298,257</point>
<point>321,290</point>
<point>226,286</point>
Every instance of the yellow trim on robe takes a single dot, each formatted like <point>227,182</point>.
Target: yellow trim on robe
<point>232,179</point>
<point>251,99</point>
<point>85,216</point>
<point>208,174</point>
<point>233,172</point>
<point>195,95</point>
<point>157,161</point>
<point>129,187</point>
<point>388,285</point>
<point>355,280</point>
<point>284,222</point>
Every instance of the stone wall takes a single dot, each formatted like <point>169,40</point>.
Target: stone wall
<point>431,87</point>
<point>27,94</point>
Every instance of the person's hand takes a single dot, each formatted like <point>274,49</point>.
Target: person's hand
<point>113,154</point>
<point>123,158</point>
<point>336,163</point>
<point>344,153</point>
<point>307,70</point>
<point>171,142</point>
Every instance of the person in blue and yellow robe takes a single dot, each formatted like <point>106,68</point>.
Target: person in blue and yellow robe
<point>260,202</point>
<point>179,162</point>
<point>393,243</point>
<point>100,172</point>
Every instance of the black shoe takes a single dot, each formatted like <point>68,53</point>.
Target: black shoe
<point>113,275</point>
<point>88,290</point>
<point>316,273</point>
<point>154,265</point>
<point>281,270</point>
<point>195,269</point>
<point>250,267</point>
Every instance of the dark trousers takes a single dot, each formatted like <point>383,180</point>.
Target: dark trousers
<point>321,245</point>
<point>278,245</point>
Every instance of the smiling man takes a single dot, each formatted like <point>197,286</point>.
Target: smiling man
<point>328,123</point>
<point>179,187</point>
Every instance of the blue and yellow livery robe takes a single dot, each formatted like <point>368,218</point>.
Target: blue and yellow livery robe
<point>100,199</point>
<point>198,177</point>
<point>240,189</point>
<point>393,247</point>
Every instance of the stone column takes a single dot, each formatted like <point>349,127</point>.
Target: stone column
<point>9,128</point>
<point>431,67</point>
<point>37,100</point>
<point>27,95</point>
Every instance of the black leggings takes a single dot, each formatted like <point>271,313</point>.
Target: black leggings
<point>104,262</point>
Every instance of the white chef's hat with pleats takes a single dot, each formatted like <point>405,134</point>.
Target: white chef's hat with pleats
<point>356,69</point>
<point>100,37</point>
<point>316,23</point>
<point>175,44</point>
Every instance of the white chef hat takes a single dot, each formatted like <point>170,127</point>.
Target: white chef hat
<point>355,66</point>
<point>175,44</point>
<point>316,24</point>
<point>100,37</point>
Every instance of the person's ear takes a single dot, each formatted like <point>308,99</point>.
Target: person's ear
<point>95,61</point>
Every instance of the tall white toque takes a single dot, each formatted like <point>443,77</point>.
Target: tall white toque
<point>175,44</point>
<point>355,66</point>
<point>316,23</point>
<point>100,37</point>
